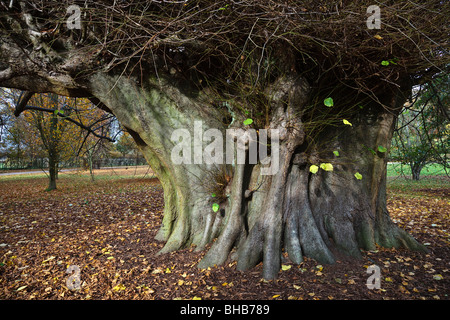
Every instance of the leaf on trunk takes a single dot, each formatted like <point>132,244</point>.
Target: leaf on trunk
<point>382,149</point>
<point>248,121</point>
<point>336,153</point>
<point>326,166</point>
<point>346,122</point>
<point>215,207</point>
<point>328,102</point>
<point>358,176</point>
<point>313,168</point>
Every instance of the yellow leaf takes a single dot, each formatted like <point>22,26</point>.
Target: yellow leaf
<point>168,270</point>
<point>196,298</point>
<point>326,166</point>
<point>275,296</point>
<point>313,168</point>
<point>180,282</point>
<point>438,277</point>
<point>285,267</point>
<point>49,259</point>
<point>157,270</point>
<point>346,122</point>
<point>351,281</point>
<point>388,279</point>
<point>378,37</point>
<point>119,287</point>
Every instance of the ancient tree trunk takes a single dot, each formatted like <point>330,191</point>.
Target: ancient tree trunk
<point>179,76</point>
<point>317,215</point>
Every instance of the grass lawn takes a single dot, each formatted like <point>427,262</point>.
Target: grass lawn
<point>398,169</point>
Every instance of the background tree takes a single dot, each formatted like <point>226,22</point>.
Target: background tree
<point>423,128</point>
<point>19,140</point>
<point>311,69</point>
<point>55,127</point>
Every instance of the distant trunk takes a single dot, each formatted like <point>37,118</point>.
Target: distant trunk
<point>316,215</point>
<point>90,160</point>
<point>52,149</point>
<point>53,172</point>
<point>416,169</point>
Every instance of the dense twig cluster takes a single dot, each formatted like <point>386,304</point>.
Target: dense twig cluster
<point>252,41</point>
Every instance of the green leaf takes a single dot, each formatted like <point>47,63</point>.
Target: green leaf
<point>248,121</point>
<point>346,122</point>
<point>215,207</point>
<point>328,102</point>
<point>336,153</point>
<point>358,176</point>
<point>382,149</point>
<point>313,168</point>
<point>213,195</point>
<point>384,63</point>
<point>326,166</point>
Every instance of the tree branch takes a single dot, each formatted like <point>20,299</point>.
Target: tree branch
<point>24,97</point>
<point>79,124</point>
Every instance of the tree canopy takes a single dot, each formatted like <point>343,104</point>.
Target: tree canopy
<point>241,44</point>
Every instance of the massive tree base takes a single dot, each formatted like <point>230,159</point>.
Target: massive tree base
<point>318,215</point>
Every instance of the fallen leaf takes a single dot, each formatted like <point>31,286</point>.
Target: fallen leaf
<point>285,267</point>
<point>119,287</point>
<point>438,277</point>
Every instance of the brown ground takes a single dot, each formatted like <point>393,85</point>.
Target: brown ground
<point>107,228</point>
